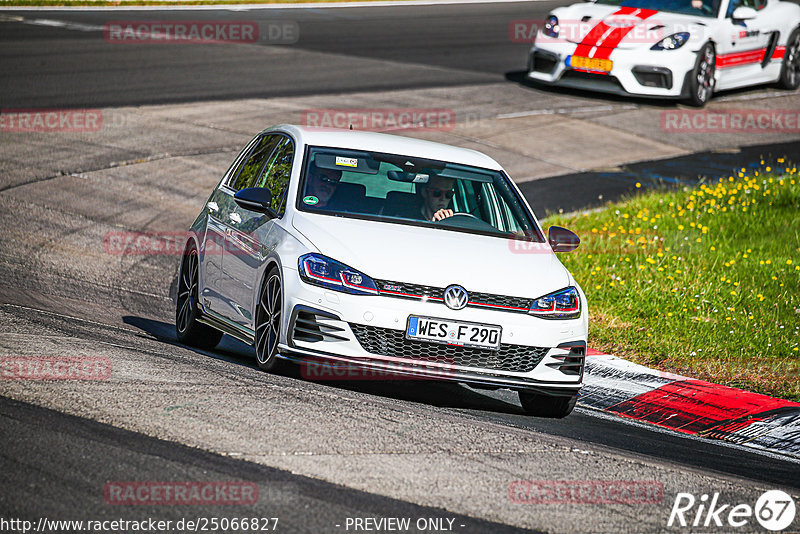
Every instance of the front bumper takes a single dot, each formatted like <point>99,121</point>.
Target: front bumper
<point>642,72</point>
<point>369,331</point>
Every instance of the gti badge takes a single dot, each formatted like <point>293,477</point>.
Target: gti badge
<point>456,297</point>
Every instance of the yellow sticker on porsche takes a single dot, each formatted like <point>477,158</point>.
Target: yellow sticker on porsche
<point>458,333</point>
<point>590,63</point>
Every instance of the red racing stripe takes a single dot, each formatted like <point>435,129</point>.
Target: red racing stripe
<point>742,58</point>
<point>693,406</point>
<point>609,44</point>
<point>779,52</point>
<point>604,39</point>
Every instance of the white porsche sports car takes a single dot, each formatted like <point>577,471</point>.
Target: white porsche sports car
<point>387,253</point>
<point>681,49</point>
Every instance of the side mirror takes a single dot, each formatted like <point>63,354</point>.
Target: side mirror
<point>744,13</point>
<point>562,240</point>
<point>257,199</point>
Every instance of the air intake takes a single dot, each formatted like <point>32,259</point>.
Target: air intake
<point>572,362</point>
<point>308,327</point>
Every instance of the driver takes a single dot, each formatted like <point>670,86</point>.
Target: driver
<point>436,196</point>
<point>322,184</point>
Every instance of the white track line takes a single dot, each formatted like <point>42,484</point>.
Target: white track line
<point>557,111</point>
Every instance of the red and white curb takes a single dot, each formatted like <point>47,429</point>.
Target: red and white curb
<point>690,406</point>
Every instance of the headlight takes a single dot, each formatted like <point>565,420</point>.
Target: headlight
<point>322,271</point>
<point>563,304</point>
<point>551,27</point>
<point>676,40</point>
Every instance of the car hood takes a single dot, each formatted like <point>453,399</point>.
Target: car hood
<point>436,257</point>
<point>578,20</point>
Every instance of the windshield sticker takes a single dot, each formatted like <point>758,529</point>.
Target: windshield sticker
<point>347,162</point>
<point>311,200</point>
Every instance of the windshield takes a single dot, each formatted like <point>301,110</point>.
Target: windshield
<point>700,8</point>
<point>413,191</point>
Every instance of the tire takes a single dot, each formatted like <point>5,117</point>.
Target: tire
<point>188,329</point>
<point>701,79</point>
<point>539,405</point>
<point>790,70</point>
<point>269,317</point>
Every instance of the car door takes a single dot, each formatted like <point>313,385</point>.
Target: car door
<point>226,215</point>
<point>744,44</point>
<point>213,244</point>
<point>251,236</point>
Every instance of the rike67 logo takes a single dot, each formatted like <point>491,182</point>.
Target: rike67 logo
<point>774,510</point>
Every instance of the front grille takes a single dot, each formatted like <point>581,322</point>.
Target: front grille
<point>388,342</point>
<point>436,294</point>
<point>592,79</point>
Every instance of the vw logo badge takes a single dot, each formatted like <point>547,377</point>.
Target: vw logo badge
<point>456,297</point>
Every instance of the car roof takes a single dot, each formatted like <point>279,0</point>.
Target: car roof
<point>389,144</point>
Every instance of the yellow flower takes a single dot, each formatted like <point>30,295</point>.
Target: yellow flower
<point>638,184</point>
<point>788,262</point>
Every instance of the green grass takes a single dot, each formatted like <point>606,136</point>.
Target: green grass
<point>699,281</point>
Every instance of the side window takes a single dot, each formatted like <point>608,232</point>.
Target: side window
<point>247,175</point>
<point>278,171</point>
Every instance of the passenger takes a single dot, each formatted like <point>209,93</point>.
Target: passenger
<point>321,183</point>
<point>436,196</point>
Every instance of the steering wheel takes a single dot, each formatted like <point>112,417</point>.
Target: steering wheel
<point>462,214</point>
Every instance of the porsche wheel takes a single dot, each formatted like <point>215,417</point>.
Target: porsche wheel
<point>790,71</point>
<point>701,81</point>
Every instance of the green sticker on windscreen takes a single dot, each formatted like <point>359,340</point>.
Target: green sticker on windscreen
<point>311,200</point>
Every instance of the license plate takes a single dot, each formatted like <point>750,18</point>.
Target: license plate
<point>590,63</point>
<point>458,333</point>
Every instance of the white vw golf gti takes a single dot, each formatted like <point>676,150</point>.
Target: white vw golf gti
<point>386,253</point>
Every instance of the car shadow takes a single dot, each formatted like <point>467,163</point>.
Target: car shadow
<point>229,349</point>
<point>413,389</point>
<point>519,77</point>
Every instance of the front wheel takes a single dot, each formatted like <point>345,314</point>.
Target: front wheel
<point>539,405</point>
<point>701,80</point>
<point>269,315</point>
<point>790,71</point>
